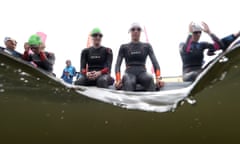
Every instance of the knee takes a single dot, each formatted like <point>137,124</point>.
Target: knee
<point>80,81</point>
<point>129,80</point>
<point>190,77</point>
<point>102,82</point>
<point>147,78</point>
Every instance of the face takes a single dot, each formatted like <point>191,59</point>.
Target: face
<point>97,38</point>
<point>68,63</point>
<point>196,36</point>
<point>11,44</point>
<point>35,49</point>
<point>136,33</point>
<point>26,46</point>
<point>42,46</point>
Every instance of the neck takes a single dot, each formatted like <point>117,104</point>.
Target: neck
<point>135,41</point>
<point>195,40</point>
<point>9,48</point>
<point>96,46</point>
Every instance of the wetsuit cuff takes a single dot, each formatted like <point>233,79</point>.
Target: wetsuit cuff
<point>26,55</point>
<point>104,71</point>
<point>118,76</point>
<point>158,73</point>
<point>84,71</point>
<point>43,56</point>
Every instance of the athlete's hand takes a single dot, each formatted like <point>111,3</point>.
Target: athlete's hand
<point>90,75</point>
<point>190,27</point>
<point>97,74</point>
<point>206,28</point>
<point>118,85</point>
<point>159,83</point>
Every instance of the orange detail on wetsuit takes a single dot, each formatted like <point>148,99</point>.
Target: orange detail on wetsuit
<point>105,71</point>
<point>43,56</point>
<point>118,76</point>
<point>158,73</point>
<point>84,71</point>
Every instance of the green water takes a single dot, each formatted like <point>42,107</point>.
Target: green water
<point>37,111</point>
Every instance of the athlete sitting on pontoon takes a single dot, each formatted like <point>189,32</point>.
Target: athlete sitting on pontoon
<point>96,63</point>
<point>35,54</point>
<point>135,54</point>
<point>11,47</point>
<point>192,52</point>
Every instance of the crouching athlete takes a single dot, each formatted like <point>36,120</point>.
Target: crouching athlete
<point>135,54</point>
<point>96,63</point>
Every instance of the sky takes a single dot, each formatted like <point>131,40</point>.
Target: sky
<point>68,23</point>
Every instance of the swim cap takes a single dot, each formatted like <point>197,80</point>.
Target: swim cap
<point>9,39</point>
<point>34,40</point>
<point>196,27</point>
<point>134,25</point>
<point>96,31</point>
<point>43,36</point>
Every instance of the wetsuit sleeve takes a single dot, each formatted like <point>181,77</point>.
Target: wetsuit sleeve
<point>217,45</point>
<point>187,46</point>
<point>154,62</point>
<point>48,60</point>
<point>83,67</point>
<point>26,56</point>
<point>108,66</point>
<point>228,40</point>
<point>119,63</point>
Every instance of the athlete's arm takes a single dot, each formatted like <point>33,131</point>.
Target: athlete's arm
<point>108,66</point>
<point>188,43</point>
<point>119,63</point>
<point>154,62</point>
<point>48,60</point>
<point>228,40</point>
<point>217,45</point>
<point>83,60</point>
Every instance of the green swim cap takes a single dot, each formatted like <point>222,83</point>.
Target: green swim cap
<point>96,31</point>
<point>34,40</point>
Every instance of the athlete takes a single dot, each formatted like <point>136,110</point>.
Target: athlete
<point>96,63</point>
<point>192,52</point>
<point>37,56</point>
<point>69,72</point>
<point>228,40</point>
<point>11,47</point>
<point>135,54</point>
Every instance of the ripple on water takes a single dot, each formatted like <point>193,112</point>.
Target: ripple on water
<point>2,90</point>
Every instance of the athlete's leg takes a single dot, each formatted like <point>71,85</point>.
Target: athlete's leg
<point>81,81</point>
<point>191,76</point>
<point>129,82</point>
<point>103,81</point>
<point>146,80</point>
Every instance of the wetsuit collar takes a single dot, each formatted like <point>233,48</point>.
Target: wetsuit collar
<point>96,46</point>
<point>135,42</point>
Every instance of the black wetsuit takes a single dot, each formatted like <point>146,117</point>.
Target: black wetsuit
<point>192,54</point>
<point>135,55</point>
<point>43,60</point>
<point>96,59</point>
